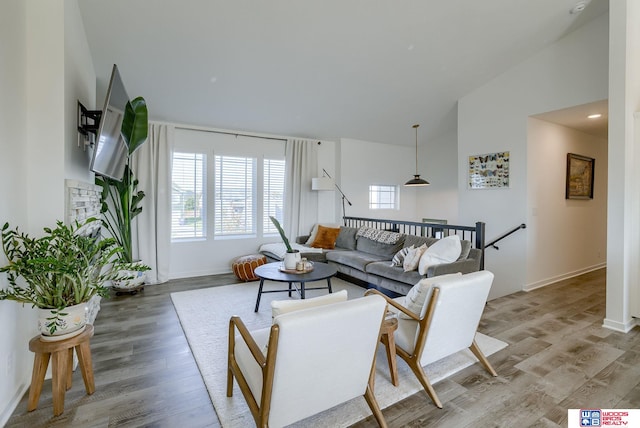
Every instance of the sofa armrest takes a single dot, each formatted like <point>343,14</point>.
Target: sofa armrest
<point>302,239</point>
<point>463,266</point>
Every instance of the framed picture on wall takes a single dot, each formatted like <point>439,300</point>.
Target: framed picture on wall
<point>579,177</point>
<point>489,171</point>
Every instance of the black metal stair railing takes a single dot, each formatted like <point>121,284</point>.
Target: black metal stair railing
<point>500,238</point>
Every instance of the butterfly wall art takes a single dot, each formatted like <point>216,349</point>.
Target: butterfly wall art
<point>489,171</point>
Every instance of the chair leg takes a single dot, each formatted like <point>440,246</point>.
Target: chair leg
<point>424,380</point>
<point>229,380</point>
<point>40,364</point>
<point>481,357</point>
<point>375,408</point>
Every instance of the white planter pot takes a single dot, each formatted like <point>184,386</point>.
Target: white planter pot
<point>137,278</point>
<point>93,306</point>
<point>290,260</point>
<point>62,324</point>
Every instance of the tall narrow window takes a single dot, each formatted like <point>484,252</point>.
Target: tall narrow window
<point>383,197</point>
<point>187,196</point>
<point>273,193</point>
<point>234,195</point>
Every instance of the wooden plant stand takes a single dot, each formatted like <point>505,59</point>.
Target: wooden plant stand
<point>61,354</point>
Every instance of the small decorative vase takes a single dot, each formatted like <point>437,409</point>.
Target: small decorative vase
<point>55,324</point>
<point>291,259</point>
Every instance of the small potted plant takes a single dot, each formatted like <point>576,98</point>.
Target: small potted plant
<point>59,273</point>
<point>291,257</point>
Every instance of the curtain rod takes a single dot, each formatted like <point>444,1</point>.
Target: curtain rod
<point>187,128</point>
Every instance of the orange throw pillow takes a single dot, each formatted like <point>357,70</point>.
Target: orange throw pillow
<point>326,238</point>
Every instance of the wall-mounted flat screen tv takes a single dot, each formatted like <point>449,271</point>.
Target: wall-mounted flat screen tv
<point>111,152</point>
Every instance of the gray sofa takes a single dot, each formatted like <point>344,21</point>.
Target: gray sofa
<point>370,261</point>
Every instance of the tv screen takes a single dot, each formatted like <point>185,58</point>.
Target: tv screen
<point>111,152</point>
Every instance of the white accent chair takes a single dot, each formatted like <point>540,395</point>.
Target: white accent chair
<point>447,322</point>
<point>308,361</point>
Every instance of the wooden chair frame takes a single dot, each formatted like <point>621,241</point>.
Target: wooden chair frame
<point>424,323</point>
<point>260,412</point>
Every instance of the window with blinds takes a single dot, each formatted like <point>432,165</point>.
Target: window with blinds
<point>383,197</point>
<point>234,190</point>
<point>188,178</point>
<point>272,194</point>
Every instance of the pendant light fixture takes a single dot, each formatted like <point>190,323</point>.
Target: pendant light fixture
<point>416,180</point>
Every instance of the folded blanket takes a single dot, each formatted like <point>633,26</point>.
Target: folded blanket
<point>279,249</point>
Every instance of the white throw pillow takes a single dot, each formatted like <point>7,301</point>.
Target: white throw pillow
<point>446,250</point>
<point>412,258</point>
<point>279,307</point>
<point>419,293</point>
<point>398,259</point>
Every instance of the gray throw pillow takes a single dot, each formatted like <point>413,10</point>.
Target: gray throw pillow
<point>347,238</point>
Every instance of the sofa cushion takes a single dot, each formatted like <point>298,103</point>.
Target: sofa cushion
<point>398,259</point>
<point>347,238</point>
<point>446,250</point>
<point>325,238</point>
<point>416,241</point>
<point>355,259</point>
<point>412,259</point>
<point>314,231</point>
<point>382,269</point>
<point>465,248</point>
<point>386,251</point>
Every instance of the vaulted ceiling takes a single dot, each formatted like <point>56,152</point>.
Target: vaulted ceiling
<point>362,69</point>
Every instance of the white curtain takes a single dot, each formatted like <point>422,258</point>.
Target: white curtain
<point>152,166</point>
<point>301,204</point>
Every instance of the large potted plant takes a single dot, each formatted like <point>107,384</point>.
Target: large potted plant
<point>291,257</point>
<point>120,199</point>
<point>59,273</point>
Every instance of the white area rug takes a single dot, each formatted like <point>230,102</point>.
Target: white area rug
<point>204,315</point>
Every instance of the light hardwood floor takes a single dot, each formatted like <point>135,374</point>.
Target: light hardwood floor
<point>558,357</point>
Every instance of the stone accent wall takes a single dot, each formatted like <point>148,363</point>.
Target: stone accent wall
<point>83,202</point>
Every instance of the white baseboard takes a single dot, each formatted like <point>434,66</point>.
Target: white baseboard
<point>549,281</point>
<point>13,404</point>
<point>192,274</point>
<point>619,326</point>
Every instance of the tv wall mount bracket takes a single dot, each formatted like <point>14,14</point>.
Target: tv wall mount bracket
<point>88,124</point>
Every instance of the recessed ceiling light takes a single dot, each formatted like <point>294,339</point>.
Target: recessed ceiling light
<point>579,7</point>
<point>594,116</point>
<point>214,79</point>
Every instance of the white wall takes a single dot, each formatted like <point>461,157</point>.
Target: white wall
<point>623,249</point>
<point>45,113</point>
<point>364,163</point>
<point>440,159</point>
<point>79,84</point>
<point>328,200</point>
<point>567,236</point>
<point>42,72</point>
<point>493,118</point>
<point>14,354</point>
